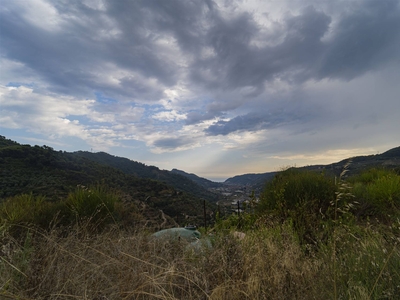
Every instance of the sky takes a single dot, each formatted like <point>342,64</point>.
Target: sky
<point>216,88</point>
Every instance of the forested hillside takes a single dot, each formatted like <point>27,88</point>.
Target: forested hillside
<point>179,182</point>
<point>42,171</point>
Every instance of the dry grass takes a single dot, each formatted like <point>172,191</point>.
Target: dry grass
<point>117,265</point>
<point>266,264</point>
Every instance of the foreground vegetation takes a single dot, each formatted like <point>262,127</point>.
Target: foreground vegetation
<point>307,238</point>
<point>268,264</point>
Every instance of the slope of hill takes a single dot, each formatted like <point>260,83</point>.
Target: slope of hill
<point>199,180</point>
<point>41,170</point>
<point>392,153</point>
<point>254,182</point>
<point>250,179</point>
<point>178,181</point>
<point>388,159</point>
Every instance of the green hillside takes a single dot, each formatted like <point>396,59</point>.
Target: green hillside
<point>42,171</point>
<point>179,182</point>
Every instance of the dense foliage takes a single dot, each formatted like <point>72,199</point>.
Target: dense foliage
<point>378,194</point>
<point>305,197</point>
<point>294,189</point>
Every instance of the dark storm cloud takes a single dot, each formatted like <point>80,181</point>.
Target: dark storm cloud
<point>238,63</point>
<point>72,57</point>
<point>144,22</point>
<point>251,122</point>
<point>183,19</point>
<point>363,40</point>
<point>60,58</point>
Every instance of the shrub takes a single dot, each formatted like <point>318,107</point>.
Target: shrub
<point>294,187</point>
<point>94,203</point>
<point>244,221</point>
<point>384,193</point>
<point>305,197</point>
<point>371,175</point>
<point>25,209</point>
<point>378,192</point>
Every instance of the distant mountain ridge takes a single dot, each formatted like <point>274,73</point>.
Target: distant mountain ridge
<point>250,179</point>
<point>199,180</point>
<point>388,159</point>
<point>174,179</point>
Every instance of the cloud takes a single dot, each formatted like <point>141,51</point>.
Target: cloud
<point>365,39</point>
<point>237,63</point>
<point>248,122</point>
<point>196,117</point>
<point>173,143</point>
<point>169,116</point>
<point>177,75</point>
<point>23,108</point>
<point>135,50</point>
<point>60,116</point>
<point>80,53</point>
